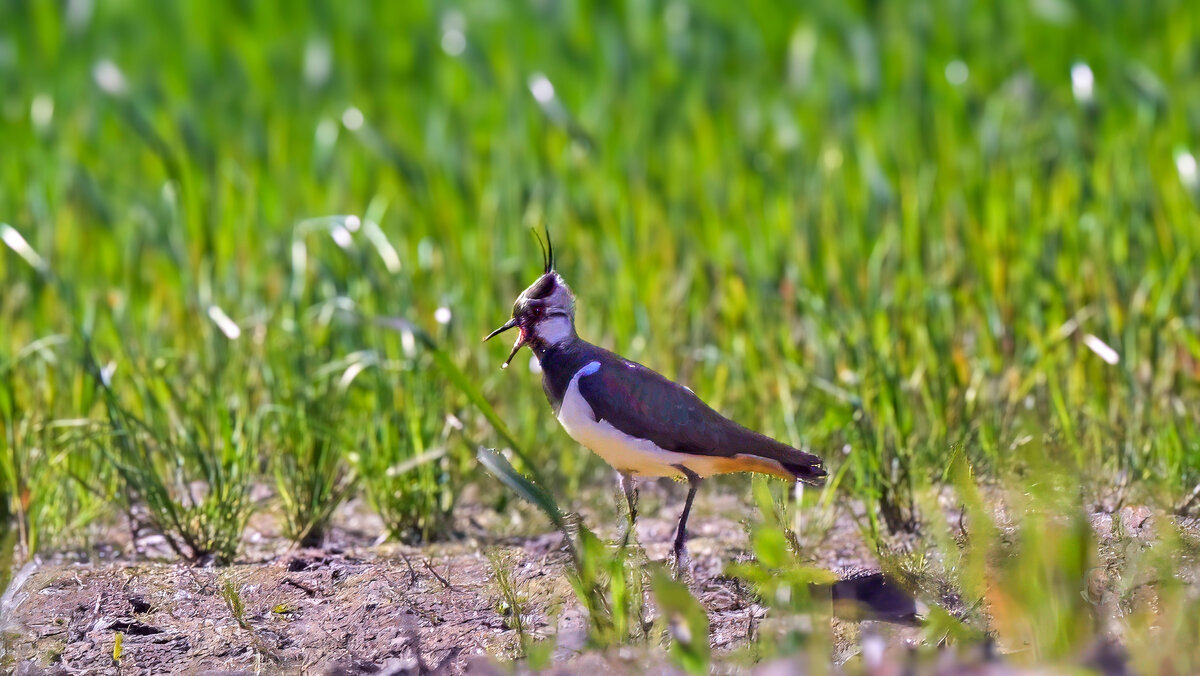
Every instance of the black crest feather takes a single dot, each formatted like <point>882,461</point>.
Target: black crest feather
<point>542,246</point>
<point>547,250</point>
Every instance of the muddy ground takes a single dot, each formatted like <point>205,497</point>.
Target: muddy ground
<point>360,607</point>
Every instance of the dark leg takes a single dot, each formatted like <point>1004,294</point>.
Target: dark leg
<point>629,485</point>
<point>681,530</point>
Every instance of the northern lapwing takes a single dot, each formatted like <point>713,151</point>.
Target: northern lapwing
<point>638,421</point>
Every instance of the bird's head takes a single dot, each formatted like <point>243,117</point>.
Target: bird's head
<point>544,312</point>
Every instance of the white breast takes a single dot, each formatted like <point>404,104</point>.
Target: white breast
<point>625,453</point>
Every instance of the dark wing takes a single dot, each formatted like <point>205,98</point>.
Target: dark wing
<point>646,405</point>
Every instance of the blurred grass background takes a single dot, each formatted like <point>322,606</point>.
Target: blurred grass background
<point>889,232</point>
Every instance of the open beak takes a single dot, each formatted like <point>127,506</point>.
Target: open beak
<point>516,346</point>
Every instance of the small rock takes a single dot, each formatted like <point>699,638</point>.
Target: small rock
<point>301,565</point>
<point>138,604</point>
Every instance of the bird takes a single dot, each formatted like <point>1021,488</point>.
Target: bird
<point>641,423</point>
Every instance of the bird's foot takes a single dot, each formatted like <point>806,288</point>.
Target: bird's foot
<point>681,567</point>
<point>679,562</point>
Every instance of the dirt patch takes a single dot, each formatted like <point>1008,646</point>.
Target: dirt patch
<point>312,611</point>
<point>357,607</point>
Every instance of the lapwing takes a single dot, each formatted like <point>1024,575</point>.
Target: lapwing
<point>638,421</point>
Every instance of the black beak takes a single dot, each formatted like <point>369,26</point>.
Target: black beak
<point>516,346</point>
<point>507,325</point>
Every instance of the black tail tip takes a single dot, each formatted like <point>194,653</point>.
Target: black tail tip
<point>811,474</point>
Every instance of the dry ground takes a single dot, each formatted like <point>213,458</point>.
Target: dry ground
<point>358,607</point>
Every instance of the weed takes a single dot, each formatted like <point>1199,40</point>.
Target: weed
<point>310,439</point>
<point>55,486</point>
<point>405,458</point>
<point>513,606</point>
<point>609,583</point>
<point>687,623</point>
<point>185,448</point>
<point>512,603</point>
<point>231,593</point>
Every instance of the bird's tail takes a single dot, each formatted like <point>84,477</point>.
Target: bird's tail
<point>776,457</point>
<point>806,468</point>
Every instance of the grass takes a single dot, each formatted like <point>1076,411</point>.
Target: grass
<point>312,476</point>
<point>912,237</point>
<point>231,594</point>
<point>192,473</point>
<point>408,460</point>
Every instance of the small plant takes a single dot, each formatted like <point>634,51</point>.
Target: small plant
<point>403,457</point>
<point>512,602</point>
<point>513,606</point>
<point>783,583</point>
<point>687,623</point>
<point>231,594</point>
<point>49,485</point>
<point>185,448</point>
<point>609,583</point>
<point>310,437</point>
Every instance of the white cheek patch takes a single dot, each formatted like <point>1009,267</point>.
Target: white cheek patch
<point>552,330</point>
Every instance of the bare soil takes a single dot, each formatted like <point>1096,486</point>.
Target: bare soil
<point>359,607</point>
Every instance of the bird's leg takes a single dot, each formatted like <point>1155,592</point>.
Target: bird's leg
<point>629,485</point>
<point>681,530</point>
